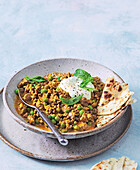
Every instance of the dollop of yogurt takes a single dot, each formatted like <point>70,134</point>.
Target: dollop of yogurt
<point>72,86</point>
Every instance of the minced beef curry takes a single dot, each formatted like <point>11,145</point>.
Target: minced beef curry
<point>46,96</point>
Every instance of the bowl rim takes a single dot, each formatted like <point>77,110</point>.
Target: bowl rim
<point>36,129</point>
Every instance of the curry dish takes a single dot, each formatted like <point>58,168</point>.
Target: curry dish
<point>47,96</point>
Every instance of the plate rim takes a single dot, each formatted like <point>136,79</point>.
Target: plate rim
<point>67,135</point>
<point>74,158</point>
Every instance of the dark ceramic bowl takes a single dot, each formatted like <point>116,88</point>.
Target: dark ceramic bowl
<point>56,65</point>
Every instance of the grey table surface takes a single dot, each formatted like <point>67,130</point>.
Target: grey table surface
<point>107,32</point>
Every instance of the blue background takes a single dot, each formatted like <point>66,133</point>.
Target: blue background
<point>105,31</point>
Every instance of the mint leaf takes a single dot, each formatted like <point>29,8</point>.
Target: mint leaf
<point>85,82</point>
<point>90,89</point>
<point>87,78</point>
<point>35,79</point>
<point>81,74</point>
<point>71,101</point>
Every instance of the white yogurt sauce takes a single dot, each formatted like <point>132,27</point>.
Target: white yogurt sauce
<point>72,86</point>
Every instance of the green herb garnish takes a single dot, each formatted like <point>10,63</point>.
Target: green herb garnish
<point>71,101</point>
<point>35,79</point>
<point>82,74</point>
<point>87,78</point>
<point>85,82</point>
<point>90,89</point>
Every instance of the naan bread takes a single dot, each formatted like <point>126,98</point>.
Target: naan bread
<point>114,96</point>
<point>128,164</point>
<point>102,120</point>
<point>122,163</point>
<point>119,164</point>
<point>105,165</point>
<point>111,90</point>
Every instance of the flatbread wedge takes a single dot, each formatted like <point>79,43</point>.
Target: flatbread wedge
<point>105,164</point>
<point>122,163</point>
<point>129,164</point>
<point>115,97</point>
<point>102,120</point>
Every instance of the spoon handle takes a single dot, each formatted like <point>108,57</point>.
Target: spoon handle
<point>62,140</point>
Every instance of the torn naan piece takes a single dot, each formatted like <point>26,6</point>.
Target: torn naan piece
<point>102,120</point>
<point>105,164</point>
<point>129,164</point>
<point>119,164</point>
<point>115,97</point>
<point>122,163</point>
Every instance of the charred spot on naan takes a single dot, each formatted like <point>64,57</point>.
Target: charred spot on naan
<point>120,88</point>
<point>112,80</point>
<point>107,96</point>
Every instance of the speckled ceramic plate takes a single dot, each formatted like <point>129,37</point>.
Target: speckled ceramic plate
<point>41,147</point>
<point>57,65</point>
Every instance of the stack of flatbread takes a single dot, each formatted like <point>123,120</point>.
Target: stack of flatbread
<point>122,163</point>
<point>115,97</point>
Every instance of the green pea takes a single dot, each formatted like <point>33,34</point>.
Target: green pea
<point>57,109</point>
<point>53,116</point>
<point>58,78</point>
<point>54,122</point>
<point>75,122</point>
<point>57,118</point>
<point>89,123</point>
<point>44,104</point>
<point>31,112</point>
<point>45,100</point>
<point>16,91</point>
<point>90,107</point>
<point>93,101</point>
<point>28,109</point>
<point>49,116</point>
<point>79,107</point>
<point>57,88</point>
<point>34,86</point>
<point>67,111</point>
<point>36,121</point>
<point>43,90</point>
<point>76,127</point>
<point>63,125</point>
<point>81,112</point>
<point>51,78</point>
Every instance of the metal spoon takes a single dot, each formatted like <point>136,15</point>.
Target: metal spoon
<point>62,140</point>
